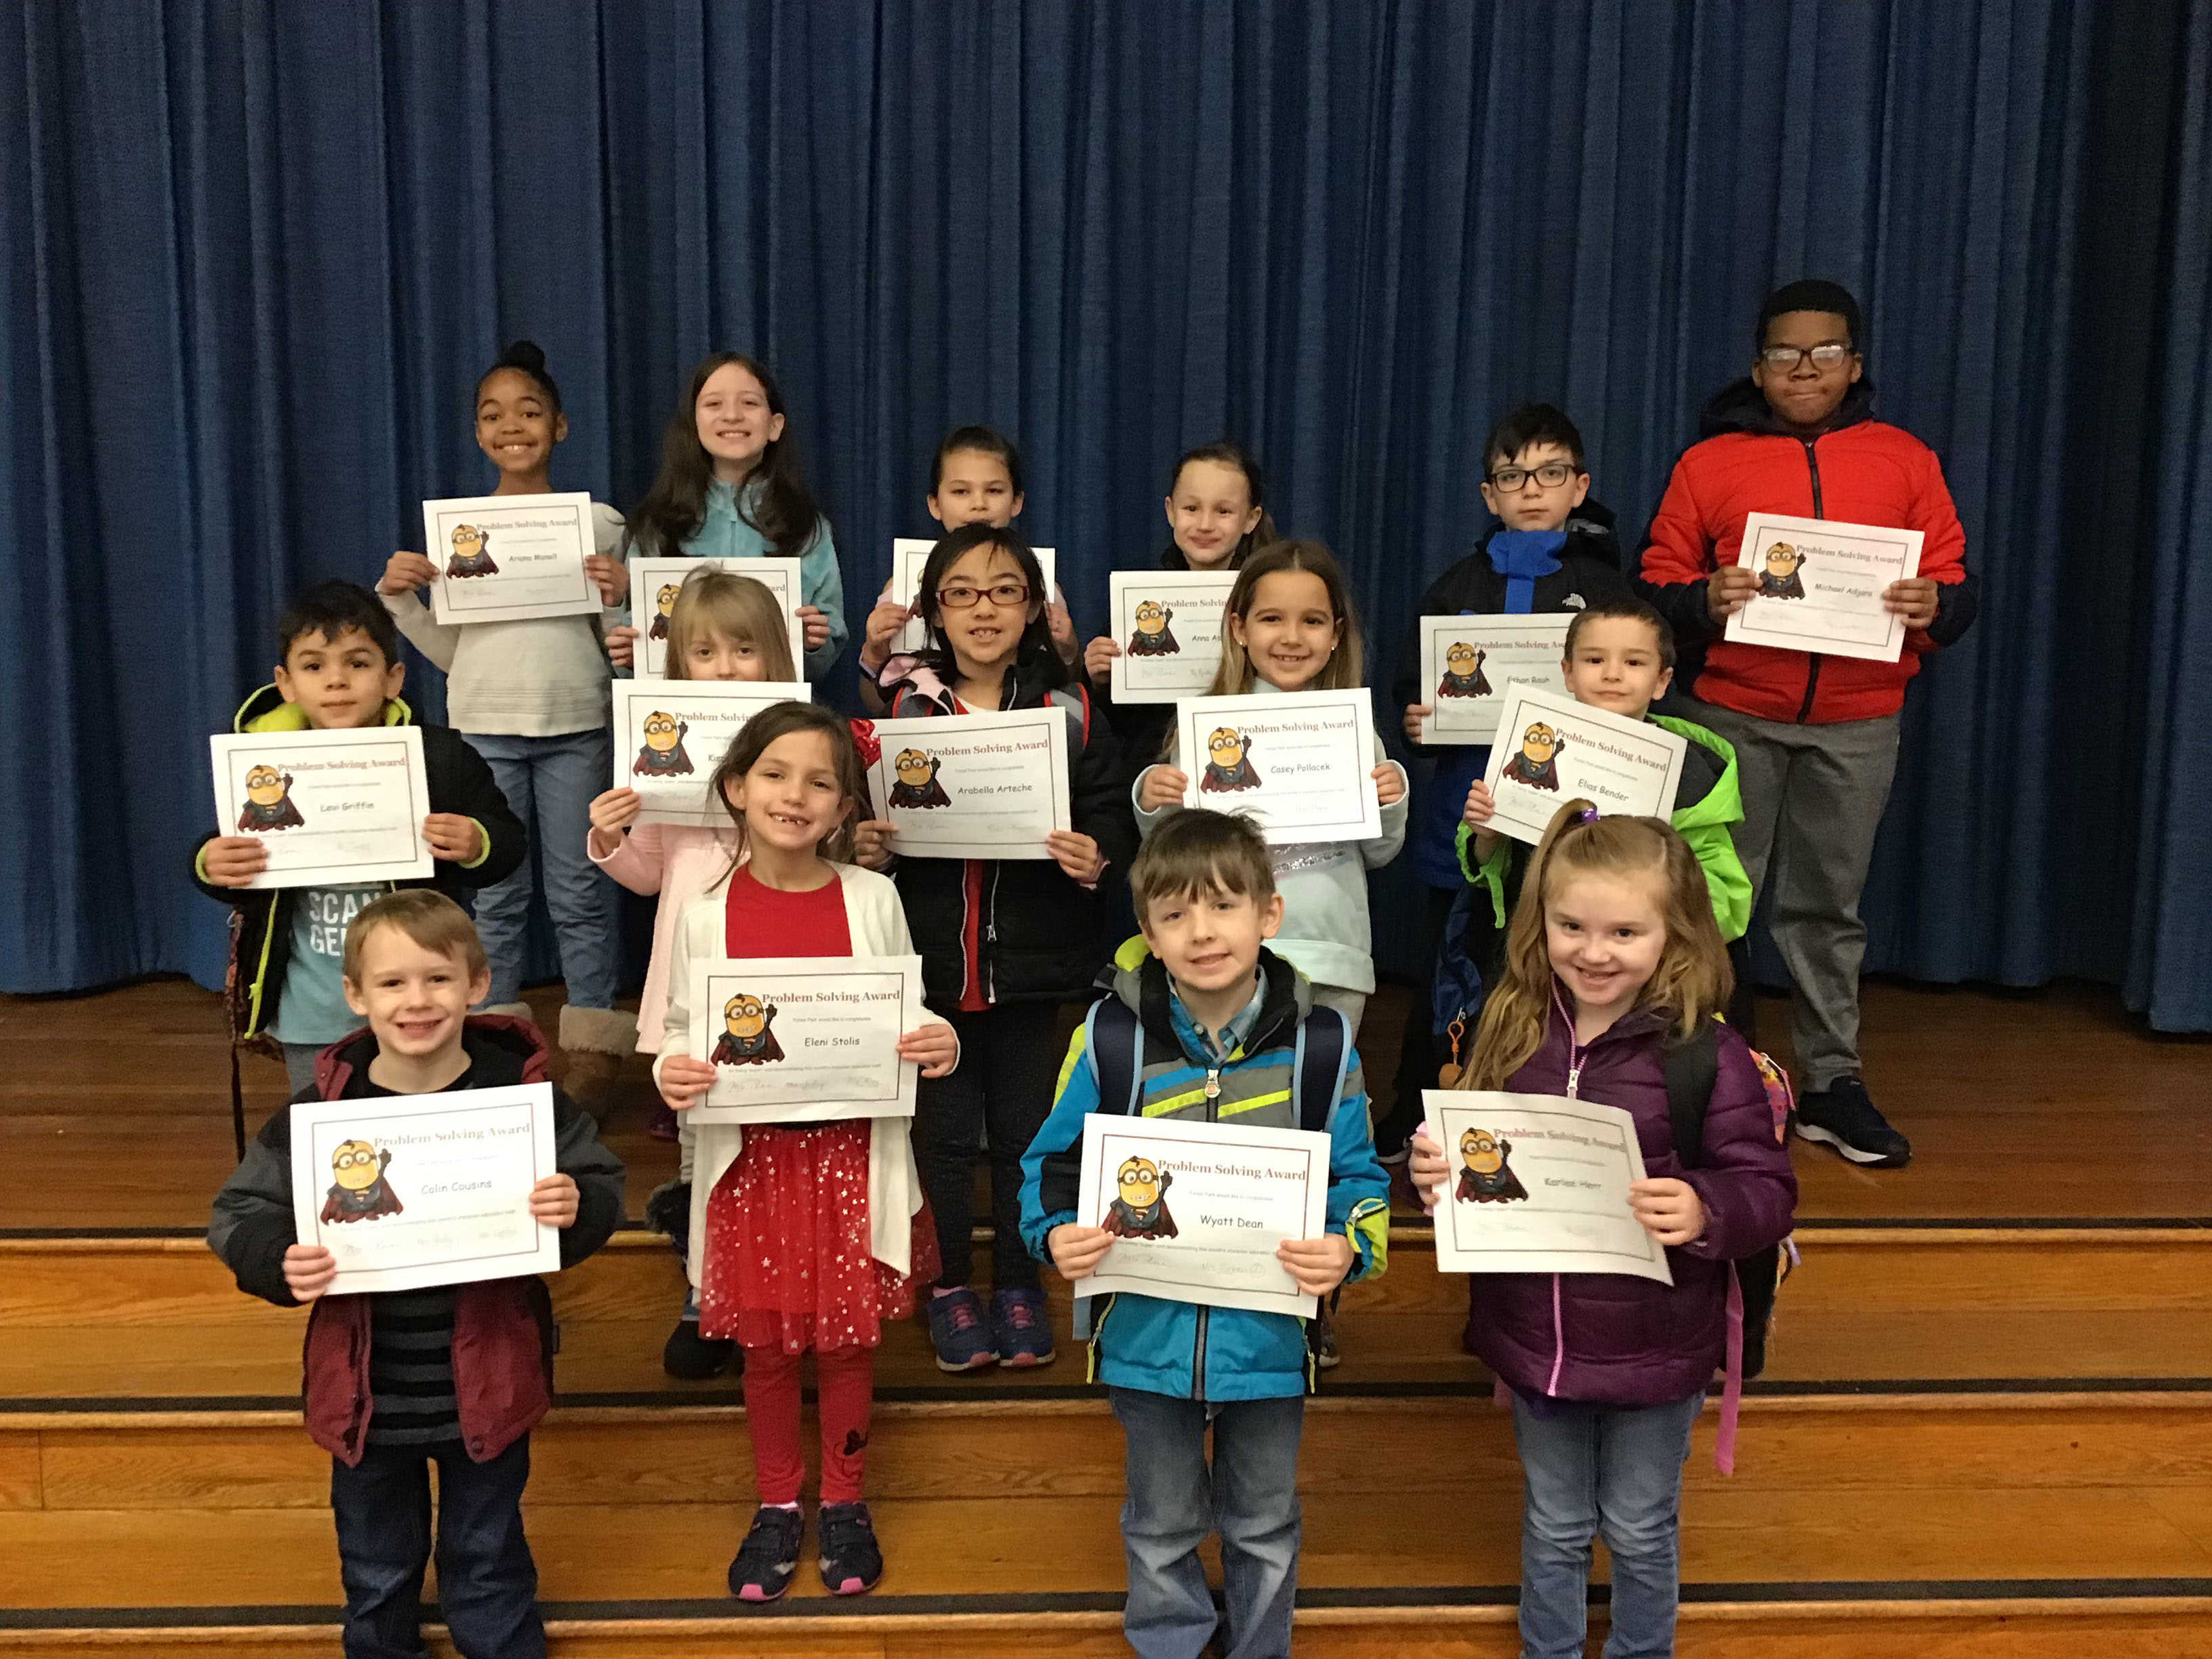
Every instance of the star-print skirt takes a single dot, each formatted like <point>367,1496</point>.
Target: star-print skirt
<point>787,1264</point>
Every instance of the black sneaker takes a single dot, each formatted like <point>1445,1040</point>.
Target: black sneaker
<point>695,1358</point>
<point>769,1556</point>
<point>851,1562</point>
<point>1842,1116</point>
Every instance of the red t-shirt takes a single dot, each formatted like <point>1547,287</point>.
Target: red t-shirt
<point>762,922</point>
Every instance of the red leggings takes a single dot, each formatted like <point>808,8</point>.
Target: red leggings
<point>845,1387</point>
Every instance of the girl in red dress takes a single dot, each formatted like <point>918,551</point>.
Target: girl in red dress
<point>813,1234</point>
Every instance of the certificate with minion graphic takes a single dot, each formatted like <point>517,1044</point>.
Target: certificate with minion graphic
<point>804,1039</point>
<point>1299,763</point>
<point>1820,583</point>
<point>909,554</point>
<point>1539,1185</point>
<point>1168,625</point>
<point>670,735</point>
<point>510,558</point>
<point>972,785</point>
<point>1196,1209</point>
<point>333,808</point>
<point>655,583</point>
<point>409,1191</point>
<point>1551,750</point>
<point>1468,661</point>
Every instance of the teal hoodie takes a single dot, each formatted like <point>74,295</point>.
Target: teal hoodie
<point>727,533</point>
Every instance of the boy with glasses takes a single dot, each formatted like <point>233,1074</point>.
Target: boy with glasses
<point>1552,548</point>
<point>1816,737</point>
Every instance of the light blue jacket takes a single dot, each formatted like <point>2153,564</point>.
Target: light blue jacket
<point>726,534</point>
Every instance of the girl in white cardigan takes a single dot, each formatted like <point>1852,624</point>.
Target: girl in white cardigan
<point>804,1236</point>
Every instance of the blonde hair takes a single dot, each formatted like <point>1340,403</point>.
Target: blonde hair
<point>425,915</point>
<point>1343,670</point>
<point>1692,983</point>
<point>716,601</point>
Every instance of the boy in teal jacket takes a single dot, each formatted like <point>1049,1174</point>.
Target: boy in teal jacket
<point>1218,1030</point>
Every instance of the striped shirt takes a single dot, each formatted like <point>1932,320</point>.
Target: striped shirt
<point>410,1368</point>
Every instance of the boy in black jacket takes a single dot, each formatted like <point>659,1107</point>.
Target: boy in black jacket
<point>1553,549</point>
<point>457,1374</point>
<point>340,670</point>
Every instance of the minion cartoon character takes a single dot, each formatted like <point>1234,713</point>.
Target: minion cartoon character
<point>1463,675</point>
<point>470,557</point>
<point>917,785</point>
<point>268,802</point>
<point>747,1038</point>
<point>1485,1177</point>
<point>663,755</point>
<point>1781,579</point>
<point>1139,1210</point>
<point>359,1191</point>
<point>1152,637</point>
<point>664,602</point>
<point>1537,764</point>
<point>1228,762</point>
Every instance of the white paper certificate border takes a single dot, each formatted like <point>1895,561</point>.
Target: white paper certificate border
<point>668,695</point>
<point>1486,633</point>
<point>1744,627</point>
<point>224,749</point>
<point>1571,719</point>
<point>375,1114</point>
<point>1096,1188</point>
<point>440,516</point>
<point>918,731</point>
<point>781,577</point>
<point>1193,590</point>
<point>910,553</point>
<point>1196,716</point>
<point>772,975</point>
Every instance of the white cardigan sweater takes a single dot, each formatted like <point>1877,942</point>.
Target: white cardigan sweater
<point>877,922</point>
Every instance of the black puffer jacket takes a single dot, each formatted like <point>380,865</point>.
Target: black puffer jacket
<point>1020,930</point>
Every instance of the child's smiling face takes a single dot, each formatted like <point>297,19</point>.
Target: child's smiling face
<point>340,684</point>
<point>1551,486</point>
<point>1289,630</point>
<point>1211,510</point>
<point>792,799</point>
<point>735,424</point>
<point>516,427</point>
<point>974,488</point>
<point>986,636</point>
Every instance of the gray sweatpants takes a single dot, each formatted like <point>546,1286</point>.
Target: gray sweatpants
<point>1812,798</point>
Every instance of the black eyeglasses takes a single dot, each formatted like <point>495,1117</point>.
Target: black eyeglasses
<point>963,598</point>
<point>1551,475</point>
<point>1784,359</point>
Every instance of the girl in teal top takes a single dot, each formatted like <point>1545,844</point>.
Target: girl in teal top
<point>730,488</point>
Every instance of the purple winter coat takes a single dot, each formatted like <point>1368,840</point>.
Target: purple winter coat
<point>1610,1338</point>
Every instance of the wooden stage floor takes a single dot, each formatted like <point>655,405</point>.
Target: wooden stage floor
<point>2046,1106</point>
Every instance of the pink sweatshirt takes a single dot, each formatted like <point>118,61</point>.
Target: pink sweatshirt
<point>680,863</point>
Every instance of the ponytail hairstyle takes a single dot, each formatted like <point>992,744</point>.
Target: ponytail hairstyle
<point>1228,454</point>
<point>781,720</point>
<point>773,499</point>
<point>1035,658</point>
<point>981,440</point>
<point>1692,983</point>
<point>1342,671</point>
<point>714,600</point>
<point>525,359</point>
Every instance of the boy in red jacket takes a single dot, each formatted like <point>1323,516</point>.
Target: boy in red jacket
<point>1815,736</point>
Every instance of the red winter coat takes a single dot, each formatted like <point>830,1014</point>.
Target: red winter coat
<point>1861,471</point>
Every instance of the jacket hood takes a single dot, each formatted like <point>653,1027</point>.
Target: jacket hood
<point>503,1049</point>
<point>1722,804</point>
<point>267,711</point>
<point>1140,980</point>
<point>1740,406</point>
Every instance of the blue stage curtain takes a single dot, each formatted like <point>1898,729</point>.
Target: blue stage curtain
<point>252,255</point>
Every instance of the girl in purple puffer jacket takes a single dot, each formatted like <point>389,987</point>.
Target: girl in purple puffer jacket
<point>1613,955</point>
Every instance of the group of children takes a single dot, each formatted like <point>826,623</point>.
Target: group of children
<point>1599,952</point>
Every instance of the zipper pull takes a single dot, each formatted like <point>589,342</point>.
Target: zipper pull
<point>1574,1077</point>
<point>1213,1083</point>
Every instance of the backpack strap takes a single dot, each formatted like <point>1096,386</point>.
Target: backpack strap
<point>1116,1047</point>
<point>1323,1054</point>
<point>1692,1068</point>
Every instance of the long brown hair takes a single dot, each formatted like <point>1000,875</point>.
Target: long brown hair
<point>773,498</point>
<point>1692,983</point>
<point>1343,670</point>
<point>781,720</point>
<point>713,600</point>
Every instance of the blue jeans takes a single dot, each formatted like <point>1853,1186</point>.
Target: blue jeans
<point>487,1582</point>
<point>548,783</point>
<point>1249,1496</point>
<point>1608,1470</point>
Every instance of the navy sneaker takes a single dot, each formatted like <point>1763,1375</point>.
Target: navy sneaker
<point>1021,1326</point>
<point>960,1332</point>
<point>852,1564</point>
<point>769,1556</point>
<point>1842,1116</point>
